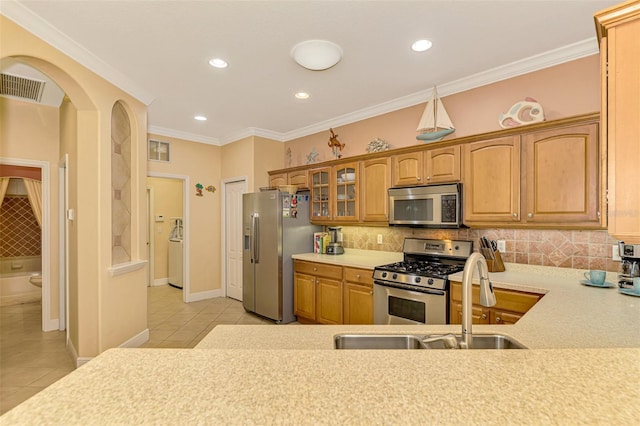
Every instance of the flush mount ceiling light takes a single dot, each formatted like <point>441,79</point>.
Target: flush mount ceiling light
<point>316,55</point>
<point>218,63</point>
<point>200,118</point>
<point>421,45</point>
<point>302,95</point>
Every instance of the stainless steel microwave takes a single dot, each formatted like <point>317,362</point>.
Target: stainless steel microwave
<point>435,206</point>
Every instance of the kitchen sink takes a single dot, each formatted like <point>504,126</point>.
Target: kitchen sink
<point>410,341</point>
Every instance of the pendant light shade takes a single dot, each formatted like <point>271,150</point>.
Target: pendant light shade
<point>316,55</point>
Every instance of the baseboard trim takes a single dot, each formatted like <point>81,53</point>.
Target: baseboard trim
<point>203,295</point>
<point>52,324</point>
<point>160,281</point>
<point>136,340</point>
<point>79,361</point>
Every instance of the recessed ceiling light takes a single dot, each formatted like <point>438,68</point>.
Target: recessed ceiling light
<point>200,118</point>
<point>316,55</point>
<point>421,45</point>
<point>218,63</point>
<point>302,95</point>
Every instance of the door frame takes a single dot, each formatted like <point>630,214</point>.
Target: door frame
<point>186,256</point>
<point>223,226</point>
<point>151,238</point>
<point>47,324</point>
<point>63,246</point>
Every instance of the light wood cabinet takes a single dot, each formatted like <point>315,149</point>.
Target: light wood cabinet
<point>375,179</point>
<point>545,178</point>
<point>619,31</point>
<point>317,292</point>
<point>358,296</point>
<point>491,185</point>
<point>510,305</point>
<point>561,176</point>
<point>428,166</point>
<point>295,177</point>
<point>345,201</point>
<point>442,165</point>
<point>278,179</point>
<point>320,187</point>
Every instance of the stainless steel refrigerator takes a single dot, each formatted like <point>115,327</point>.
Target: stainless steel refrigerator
<point>276,226</point>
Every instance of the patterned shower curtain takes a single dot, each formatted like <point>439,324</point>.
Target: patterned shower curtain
<point>34,192</point>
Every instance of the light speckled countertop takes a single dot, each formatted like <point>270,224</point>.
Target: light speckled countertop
<point>583,366</point>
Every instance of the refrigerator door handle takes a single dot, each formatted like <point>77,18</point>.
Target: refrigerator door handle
<point>256,237</point>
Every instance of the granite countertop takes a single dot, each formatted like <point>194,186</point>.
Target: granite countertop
<point>582,366</point>
<point>353,257</point>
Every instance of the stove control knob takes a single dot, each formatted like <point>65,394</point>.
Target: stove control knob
<point>430,282</point>
<point>384,275</point>
<point>394,276</point>
<point>418,279</point>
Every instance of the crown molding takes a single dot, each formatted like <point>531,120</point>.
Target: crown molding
<point>192,137</point>
<point>253,131</point>
<point>33,23</point>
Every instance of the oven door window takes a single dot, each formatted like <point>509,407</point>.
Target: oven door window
<point>409,309</point>
<point>416,210</point>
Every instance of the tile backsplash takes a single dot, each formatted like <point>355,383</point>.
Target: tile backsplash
<point>563,249</point>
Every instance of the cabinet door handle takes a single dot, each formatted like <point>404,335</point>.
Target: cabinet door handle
<point>428,177</point>
<point>484,316</point>
<point>498,319</point>
<point>419,178</point>
<point>315,269</point>
<point>530,215</point>
<point>358,276</point>
<point>515,215</point>
<point>371,292</point>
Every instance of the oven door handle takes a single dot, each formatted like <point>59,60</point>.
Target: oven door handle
<point>410,288</point>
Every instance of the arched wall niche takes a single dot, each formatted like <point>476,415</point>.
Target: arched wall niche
<point>121,199</point>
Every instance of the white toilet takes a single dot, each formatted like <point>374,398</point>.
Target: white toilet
<point>36,280</point>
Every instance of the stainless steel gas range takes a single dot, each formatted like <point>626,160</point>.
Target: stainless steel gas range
<point>416,290</point>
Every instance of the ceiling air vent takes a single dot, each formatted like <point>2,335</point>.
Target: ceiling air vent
<point>20,87</point>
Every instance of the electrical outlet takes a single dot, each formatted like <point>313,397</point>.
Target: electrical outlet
<point>379,238</point>
<point>502,246</point>
<point>615,253</point>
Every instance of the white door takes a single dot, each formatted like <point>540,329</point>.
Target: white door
<point>233,237</point>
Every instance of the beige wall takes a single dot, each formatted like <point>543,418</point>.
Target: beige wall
<point>269,155</point>
<point>564,90</point>
<point>167,201</point>
<point>252,157</point>
<point>31,132</point>
<point>202,164</point>
<point>111,310</point>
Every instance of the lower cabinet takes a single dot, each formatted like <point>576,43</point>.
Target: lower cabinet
<point>330,294</point>
<point>510,305</point>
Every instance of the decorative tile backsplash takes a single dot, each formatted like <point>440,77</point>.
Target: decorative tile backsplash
<point>564,249</point>
<point>19,230</point>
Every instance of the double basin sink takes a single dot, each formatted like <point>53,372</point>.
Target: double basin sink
<point>411,341</point>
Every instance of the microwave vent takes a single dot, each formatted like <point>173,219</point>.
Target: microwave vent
<point>20,87</point>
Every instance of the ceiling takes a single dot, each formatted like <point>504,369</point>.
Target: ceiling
<point>158,51</point>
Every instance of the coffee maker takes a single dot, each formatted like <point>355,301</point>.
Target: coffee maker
<point>629,264</point>
<point>335,246</point>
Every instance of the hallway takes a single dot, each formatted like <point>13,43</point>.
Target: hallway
<point>31,360</point>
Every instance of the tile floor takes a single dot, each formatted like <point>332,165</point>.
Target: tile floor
<point>31,360</point>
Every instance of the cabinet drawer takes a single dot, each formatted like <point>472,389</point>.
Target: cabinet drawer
<point>360,276</point>
<point>318,269</point>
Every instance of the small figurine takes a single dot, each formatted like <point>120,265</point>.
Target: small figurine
<point>312,157</point>
<point>335,144</point>
<point>199,188</point>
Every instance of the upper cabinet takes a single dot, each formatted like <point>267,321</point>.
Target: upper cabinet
<point>619,31</point>
<point>491,184</point>
<point>375,179</point>
<point>334,193</point>
<point>561,176</point>
<point>429,166</point>
<point>294,177</point>
<point>542,178</point>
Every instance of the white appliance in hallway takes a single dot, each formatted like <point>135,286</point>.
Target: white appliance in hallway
<point>176,250</point>
<point>276,226</point>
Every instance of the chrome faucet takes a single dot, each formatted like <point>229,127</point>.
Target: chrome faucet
<point>487,296</point>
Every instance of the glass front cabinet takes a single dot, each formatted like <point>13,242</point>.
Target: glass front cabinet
<point>345,178</point>
<point>320,194</point>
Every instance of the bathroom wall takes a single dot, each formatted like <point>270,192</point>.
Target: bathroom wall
<point>564,249</point>
<point>167,194</point>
